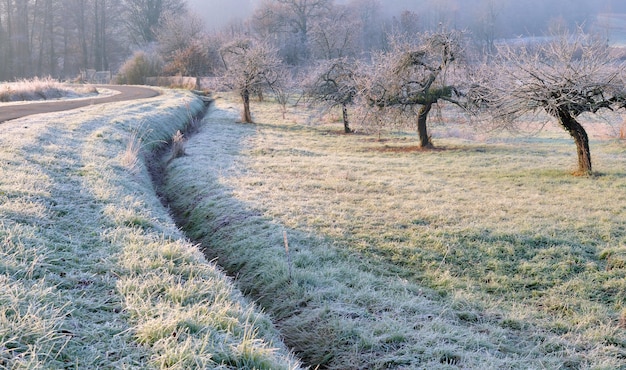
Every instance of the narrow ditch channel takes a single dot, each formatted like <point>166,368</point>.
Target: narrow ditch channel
<point>337,310</point>
<point>157,162</point>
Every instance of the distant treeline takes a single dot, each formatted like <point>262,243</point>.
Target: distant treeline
<point>60,38</point>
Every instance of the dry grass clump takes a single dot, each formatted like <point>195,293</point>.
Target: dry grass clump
<point>178,145</point>
<point>130,158</point>
<point>483,255</point>
<point>95,274</point>
<point>42,89</point>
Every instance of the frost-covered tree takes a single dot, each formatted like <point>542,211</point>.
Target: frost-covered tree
<point>485,23</point>
<point>570,75</point>
<point>290,23</point>
<point>369,15</point>
<point>333,83</point>
<point>250,66</point>
<point>414,76</point>
<point>335,35</point>
<point>184,46</point>
<point>144,17</point>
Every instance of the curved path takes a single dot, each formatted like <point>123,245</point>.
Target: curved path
<point>10,112</point>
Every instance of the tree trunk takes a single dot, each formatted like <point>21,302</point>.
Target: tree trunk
<point>9,70</point>
<point>82,35</point>
<point>245,116</point>
<point>577,131</point>
<point>3,61</point>
<point>103,37</point>
<point>66,51</point>
<point>422,127</point>
<point>22,43</point>
<point>52,58</point>
<point>97,41</point>
<point>346,123</point>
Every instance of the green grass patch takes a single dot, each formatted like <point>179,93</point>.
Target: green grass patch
<point>95,273</point>
<point>485,253</point>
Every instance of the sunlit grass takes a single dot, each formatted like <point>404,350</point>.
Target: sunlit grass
<point>95,274</point>
<point>482,254</point>
<point>42,89</point>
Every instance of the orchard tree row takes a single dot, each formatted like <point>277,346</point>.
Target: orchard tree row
<point>395,72</point>
<point>564,76</point>
<point>383,68</point>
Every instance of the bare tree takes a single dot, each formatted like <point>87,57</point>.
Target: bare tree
<point>143,17</point>
<point>290,22</point>
<point>485,25</point>
<point>334,36</point>
<point>300,15</point>
<point>570,75</point>
<point>4,46</point>
<point>408,23</point>
<point>411,76</point>
<point>22,51</point>
<point>178,31</point>
<point>368,13</point>
<point>183,45</point>
<point>333,84</point>
<point>285,88</point>
<point>250,66</point>
<point>268,20</point>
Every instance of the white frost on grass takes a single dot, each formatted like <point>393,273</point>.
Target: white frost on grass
<point>39,89</point>
<point>404,259</point>
<point>95,273</point>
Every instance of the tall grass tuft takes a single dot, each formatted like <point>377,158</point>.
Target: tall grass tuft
<point>130,157</point>
<point>178,145</point>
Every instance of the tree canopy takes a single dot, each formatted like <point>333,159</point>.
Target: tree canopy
<point>567,76</point>
<point>333,84</point>
<point>414,75</point>
<point>250,66</point>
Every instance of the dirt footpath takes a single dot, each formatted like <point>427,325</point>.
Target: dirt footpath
<point>10,112</point>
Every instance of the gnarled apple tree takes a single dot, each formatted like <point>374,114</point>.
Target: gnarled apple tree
<point>567,76</point>
<point>250,66</point>
<point>414,75</point>
<point>332,84</point>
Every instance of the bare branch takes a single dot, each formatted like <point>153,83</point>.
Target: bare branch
<point>570,75</point>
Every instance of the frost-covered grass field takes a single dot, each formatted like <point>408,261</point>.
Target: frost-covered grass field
<point>94,273</point>
<point>42,89</point>
<point>484,254</point>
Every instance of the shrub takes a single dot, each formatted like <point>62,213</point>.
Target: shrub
<point>135,70</point>
<point>190,61</point>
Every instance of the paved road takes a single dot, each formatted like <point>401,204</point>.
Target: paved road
<point>10,112</point>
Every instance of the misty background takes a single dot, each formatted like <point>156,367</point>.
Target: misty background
<point>61,38</point>
<point>516,17</point>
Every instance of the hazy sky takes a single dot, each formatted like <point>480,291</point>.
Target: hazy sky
<point>218,13</point>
